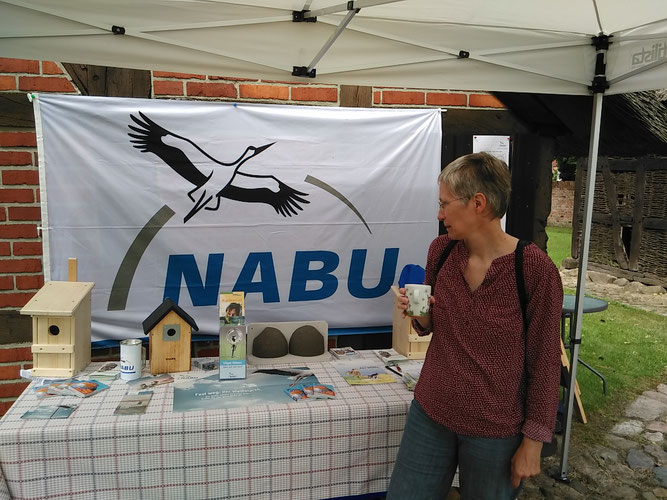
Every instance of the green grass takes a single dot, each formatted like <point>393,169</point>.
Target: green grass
<point>627,345</point>
<point>559,243</point>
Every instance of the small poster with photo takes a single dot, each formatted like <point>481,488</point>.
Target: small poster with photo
<point>232,308</point>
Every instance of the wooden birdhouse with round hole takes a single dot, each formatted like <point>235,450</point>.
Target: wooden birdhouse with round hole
<point>60,313</point>
<point>169,329</point>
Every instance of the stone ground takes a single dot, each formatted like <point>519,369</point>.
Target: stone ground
<point>605,286</point>
<point>631,463</point>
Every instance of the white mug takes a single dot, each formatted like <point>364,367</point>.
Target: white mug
<point>418,299</point>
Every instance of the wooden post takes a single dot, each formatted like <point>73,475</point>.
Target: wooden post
<point>72,270</point>
<point>565,361</point>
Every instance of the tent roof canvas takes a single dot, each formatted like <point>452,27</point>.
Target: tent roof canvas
<point>517,46</point>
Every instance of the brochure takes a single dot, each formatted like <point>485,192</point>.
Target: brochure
<point>390,356</point>
<point>72,387</point>
<point>107,373</point>
<point>344,353</point>
<point>84,388</point>
<point>42,386</point>
<point>134,404</point>
<point>409,373</point>
<point>364,372</point>
<point>49,412</point>
<point>140,384</point>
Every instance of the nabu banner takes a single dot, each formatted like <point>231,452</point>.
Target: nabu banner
<point>311,211</point>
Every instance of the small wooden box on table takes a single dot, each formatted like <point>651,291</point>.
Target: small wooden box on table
<point>60,313</point>
<point>404,338</point>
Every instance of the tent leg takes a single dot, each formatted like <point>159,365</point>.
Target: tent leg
<point>581,277</point>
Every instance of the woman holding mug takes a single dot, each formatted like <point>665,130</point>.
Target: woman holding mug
<point>487,395</point>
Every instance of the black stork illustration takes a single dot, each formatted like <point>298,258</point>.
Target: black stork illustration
<point>213,178</point>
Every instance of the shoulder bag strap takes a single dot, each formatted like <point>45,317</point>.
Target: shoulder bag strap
<point>443,256</point>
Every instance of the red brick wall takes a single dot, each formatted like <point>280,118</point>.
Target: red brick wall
<point>21,273</point>
<point>562,201</point>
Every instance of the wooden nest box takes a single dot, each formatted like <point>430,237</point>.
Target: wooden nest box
<point>169,330</point>
<point>60,313</point>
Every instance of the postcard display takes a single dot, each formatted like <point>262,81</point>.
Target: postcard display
<point>233,335</point>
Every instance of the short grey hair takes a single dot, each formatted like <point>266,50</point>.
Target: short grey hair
<point>479,173</point>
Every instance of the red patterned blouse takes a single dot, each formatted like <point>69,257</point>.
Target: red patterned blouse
<point>472,381</point>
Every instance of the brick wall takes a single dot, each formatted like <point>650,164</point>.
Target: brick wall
<point>562,201</point>
<point>219,88</point>
<point>21,273</point>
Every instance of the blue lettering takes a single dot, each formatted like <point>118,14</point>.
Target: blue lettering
<point>357,264</point>
<point>302,274</point>
<point>186,266</point>
<point>268,286</point>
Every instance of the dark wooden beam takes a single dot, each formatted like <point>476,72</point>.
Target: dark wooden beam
<point>16,111</point>
<point>356,96</point>
<point>108,81</point>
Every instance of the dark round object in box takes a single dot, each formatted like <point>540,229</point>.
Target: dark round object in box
<point>306,341</point>
<point>271,343</point>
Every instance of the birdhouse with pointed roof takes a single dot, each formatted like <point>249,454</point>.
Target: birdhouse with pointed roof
<point>169,329</point>
<point>60,313</point>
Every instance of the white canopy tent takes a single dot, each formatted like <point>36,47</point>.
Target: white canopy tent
<point>574,47</point>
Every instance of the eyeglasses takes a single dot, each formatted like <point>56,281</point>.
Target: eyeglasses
<point>443,204</point>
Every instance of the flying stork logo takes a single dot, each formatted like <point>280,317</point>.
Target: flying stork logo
<point>217,180</point>
<point>212,179</point>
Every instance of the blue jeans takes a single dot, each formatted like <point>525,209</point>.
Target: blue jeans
<point>430,453</point>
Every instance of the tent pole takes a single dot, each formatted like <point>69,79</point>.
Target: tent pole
<point>581,275</point>
<point>334,36</point>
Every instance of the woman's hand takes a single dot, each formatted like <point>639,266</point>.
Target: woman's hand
<point>526,461</point>
<point>402,301</point>
<point>425,321</point>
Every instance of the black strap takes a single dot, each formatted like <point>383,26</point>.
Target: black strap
<point>443,257</point>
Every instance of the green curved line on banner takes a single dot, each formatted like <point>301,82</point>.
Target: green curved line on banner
<point>121,285</point>
<point>321,184</point>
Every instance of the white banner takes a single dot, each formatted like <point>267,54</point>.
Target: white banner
<point>312,211</point>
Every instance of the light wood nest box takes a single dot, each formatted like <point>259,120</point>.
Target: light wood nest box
<point>60,313</point>
<point>169,330</point>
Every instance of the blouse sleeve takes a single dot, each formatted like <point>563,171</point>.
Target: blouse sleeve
<point>543,362</point>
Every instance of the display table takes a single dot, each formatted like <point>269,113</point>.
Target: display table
<point>314,449</point>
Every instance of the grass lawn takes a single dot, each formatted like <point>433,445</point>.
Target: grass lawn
<point>627,345</point>
<point>558,244</point>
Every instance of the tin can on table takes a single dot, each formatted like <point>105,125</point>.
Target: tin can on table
<point>130,359</point>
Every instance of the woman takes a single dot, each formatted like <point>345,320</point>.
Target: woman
<point>487,395</point>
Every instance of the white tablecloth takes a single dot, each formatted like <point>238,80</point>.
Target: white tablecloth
<point>311,449</point>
